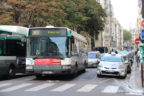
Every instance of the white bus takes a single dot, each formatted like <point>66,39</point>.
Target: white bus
<point>12,50</point>
<point>56,50</point>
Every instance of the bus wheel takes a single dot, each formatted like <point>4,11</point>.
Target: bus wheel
<point>11,72</point>
<point>84,70</point>
<point>39,76</point>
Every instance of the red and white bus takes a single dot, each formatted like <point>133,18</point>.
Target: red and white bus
<point>56,50</point>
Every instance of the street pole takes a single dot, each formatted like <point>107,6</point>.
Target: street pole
<point>142,78</point>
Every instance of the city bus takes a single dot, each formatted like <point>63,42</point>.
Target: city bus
<point>55,50</point>
<point>12,50</point>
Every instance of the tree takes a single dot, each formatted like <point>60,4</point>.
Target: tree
<point>5,17</point>
<point>79,15</point>
<point>26,12</point>
<point>127,35</point>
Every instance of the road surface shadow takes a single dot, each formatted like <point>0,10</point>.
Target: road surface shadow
<point>2,78</point>
<point>59,77</point>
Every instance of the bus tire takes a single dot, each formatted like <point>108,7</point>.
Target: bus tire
<point>11,72</point>
<point>39,76</point>
<point>84,70</point>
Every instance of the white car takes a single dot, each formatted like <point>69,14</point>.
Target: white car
<point>112,64</point>
<point>93,58</point>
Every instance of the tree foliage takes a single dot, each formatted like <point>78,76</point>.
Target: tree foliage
<point>80,15</point>
<point>127,35</point>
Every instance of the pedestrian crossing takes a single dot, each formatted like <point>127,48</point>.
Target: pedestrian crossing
<point>56,87</point>
<point>111,89</point>
<point>87,88</point>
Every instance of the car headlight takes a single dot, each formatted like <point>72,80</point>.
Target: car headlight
<point>121,67</point>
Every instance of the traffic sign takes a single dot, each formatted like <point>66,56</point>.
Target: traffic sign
<point>137,41</point>
<point>142,34</point>
<point>142,23</point>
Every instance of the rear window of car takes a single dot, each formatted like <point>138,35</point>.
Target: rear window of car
<point>111,58</point>
<point>92,55</point>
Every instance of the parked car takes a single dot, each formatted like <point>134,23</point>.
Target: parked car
<point>112,64</point>
<point>93,58</point>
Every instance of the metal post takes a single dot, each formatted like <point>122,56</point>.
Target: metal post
<point>142,79</point>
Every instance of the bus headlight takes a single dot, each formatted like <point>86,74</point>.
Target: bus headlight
<point>29,61</point>
<point>66,61</point>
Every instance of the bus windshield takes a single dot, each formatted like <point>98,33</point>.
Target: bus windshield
<point>47,47</point>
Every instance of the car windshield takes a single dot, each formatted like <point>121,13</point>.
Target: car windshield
<point>111,59</point>
<point>92,55</point>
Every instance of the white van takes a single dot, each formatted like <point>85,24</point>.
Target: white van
<point>93,58</point>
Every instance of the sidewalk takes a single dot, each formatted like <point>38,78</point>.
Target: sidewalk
<point>135,79</point>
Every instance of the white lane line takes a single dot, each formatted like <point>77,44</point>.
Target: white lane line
<point>3,85</point>
<point>15,88</point>
<point>63,87</point>
<point>136,94</point>
<point>87,88</point>
<point>111,89</point>
<point>102,81</point>
<point>40,87</point>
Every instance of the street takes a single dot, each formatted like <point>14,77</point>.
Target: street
<point>84,84</point>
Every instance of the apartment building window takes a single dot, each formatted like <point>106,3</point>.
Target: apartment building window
<point>105,2</point>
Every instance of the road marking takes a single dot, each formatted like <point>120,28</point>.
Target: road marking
<point>63,87</point>
<point>136,94</point>
<point>103,81</point>
<point>3,85</point>
<point>111,89</point>
<point>15,88</point>
<point>87,88</point>
<point>40,87</point>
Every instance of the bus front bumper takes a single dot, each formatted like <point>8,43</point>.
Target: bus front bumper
<point>50,69</point>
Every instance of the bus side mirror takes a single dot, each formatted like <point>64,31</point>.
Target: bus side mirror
<point>72,39</point>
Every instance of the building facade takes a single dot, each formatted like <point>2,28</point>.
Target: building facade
<point>139,19</point>
<point>112,36</point>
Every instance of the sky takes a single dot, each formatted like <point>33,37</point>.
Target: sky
<point>126,12</point>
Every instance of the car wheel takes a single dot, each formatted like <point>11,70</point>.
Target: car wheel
<point>98,75</point>
<point>123,77</point>
<point>129,69</point>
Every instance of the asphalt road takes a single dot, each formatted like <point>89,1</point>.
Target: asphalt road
<point>84,84</point>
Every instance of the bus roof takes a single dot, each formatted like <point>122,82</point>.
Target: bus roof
<point>15,29</point>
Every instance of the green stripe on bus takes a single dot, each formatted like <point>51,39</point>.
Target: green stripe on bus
<point>12,38</point>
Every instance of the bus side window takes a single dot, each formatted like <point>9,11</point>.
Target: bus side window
<point>73,47</point>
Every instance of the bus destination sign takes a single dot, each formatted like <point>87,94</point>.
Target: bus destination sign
<point>48,32</point>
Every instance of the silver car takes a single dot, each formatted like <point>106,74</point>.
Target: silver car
<point>93,58</point>
<point>112,64</point>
